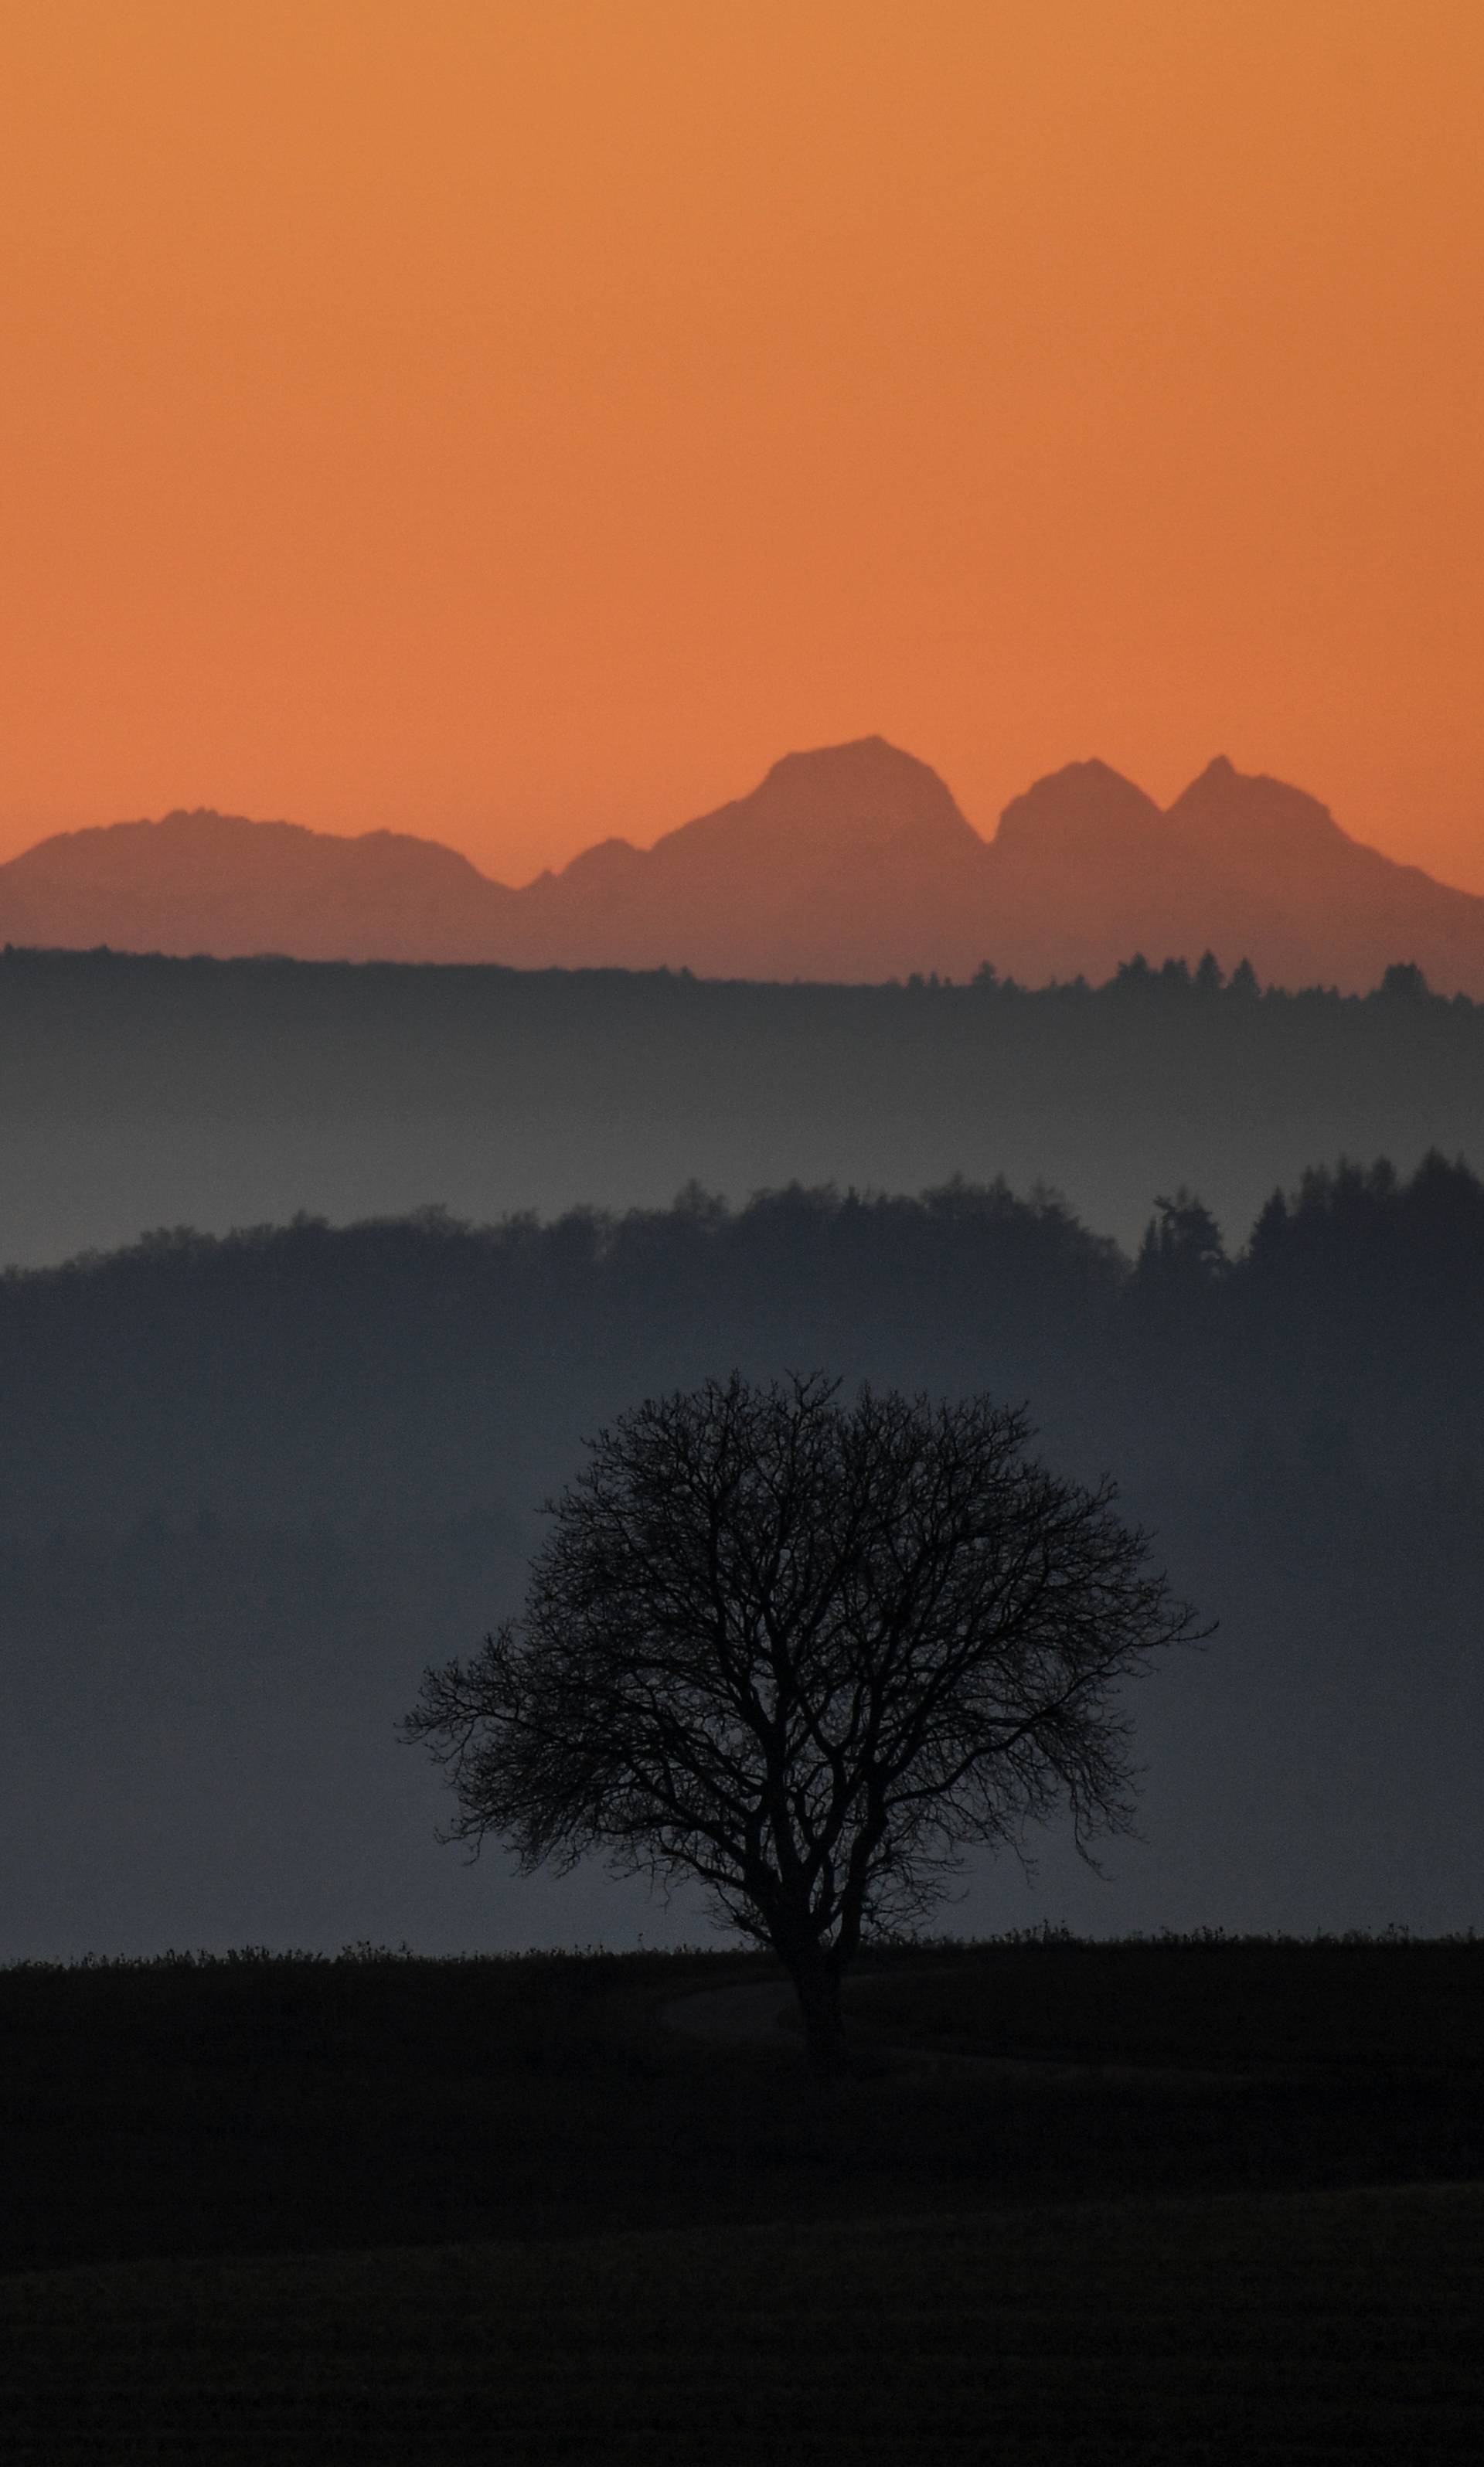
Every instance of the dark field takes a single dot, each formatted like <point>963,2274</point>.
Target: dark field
<point>1345,2007</point>
<point>1332,2326</point>
<point>391,2208</point>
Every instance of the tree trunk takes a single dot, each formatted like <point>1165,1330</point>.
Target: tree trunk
<point>816,1980</point>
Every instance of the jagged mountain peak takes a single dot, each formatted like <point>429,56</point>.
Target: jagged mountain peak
<point>845,861</point>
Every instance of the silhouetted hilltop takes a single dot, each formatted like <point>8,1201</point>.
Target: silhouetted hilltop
<point>841,800</point>
<point>1083,813</point>
<point>851,863</point>
<point>219,883</point>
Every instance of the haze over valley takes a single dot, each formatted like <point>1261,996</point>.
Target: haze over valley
<point>260,1469</point>
<point>137,1091</point>
<point>260,1479</point>
<point>256,1484</point>
<point>719,1009</point>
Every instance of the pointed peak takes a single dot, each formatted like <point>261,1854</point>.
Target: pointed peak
<point>1088,770</point>
<point>1250,807</point>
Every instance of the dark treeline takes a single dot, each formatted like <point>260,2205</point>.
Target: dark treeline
<point>138,1091</point>
<point>254,1484</point>
<point>424,1367</point>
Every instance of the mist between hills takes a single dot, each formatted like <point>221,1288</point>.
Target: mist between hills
<point>256,1483</point>
<point>144,1092</point>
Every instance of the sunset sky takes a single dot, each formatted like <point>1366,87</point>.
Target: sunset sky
<point>517,421</point>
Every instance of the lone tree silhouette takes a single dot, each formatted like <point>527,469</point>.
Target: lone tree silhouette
<point>806,1653</point>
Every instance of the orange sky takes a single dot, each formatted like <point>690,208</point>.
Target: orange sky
<point>520,419</point>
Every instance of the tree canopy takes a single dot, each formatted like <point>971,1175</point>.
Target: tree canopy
<point>806,1652</point>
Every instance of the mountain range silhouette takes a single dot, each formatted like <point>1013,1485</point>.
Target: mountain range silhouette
<point>848,863</point>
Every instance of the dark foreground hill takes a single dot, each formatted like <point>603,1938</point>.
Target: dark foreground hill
<point>850,863</point>
<point>1339,2326</point>
<point>254,1486</point>
<point>547,2097</point>
<point>399,2212</point>
<point>137,1091</point>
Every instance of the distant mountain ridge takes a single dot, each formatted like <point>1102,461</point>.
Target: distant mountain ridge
<point>847,863</point>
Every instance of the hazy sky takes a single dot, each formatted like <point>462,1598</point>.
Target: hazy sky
<point>520,419</point>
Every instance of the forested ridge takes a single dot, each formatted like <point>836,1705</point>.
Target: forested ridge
<point>428,1367</point>
<point>137,1092</point>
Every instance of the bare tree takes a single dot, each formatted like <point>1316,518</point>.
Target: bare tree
<point>806,1652</point>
